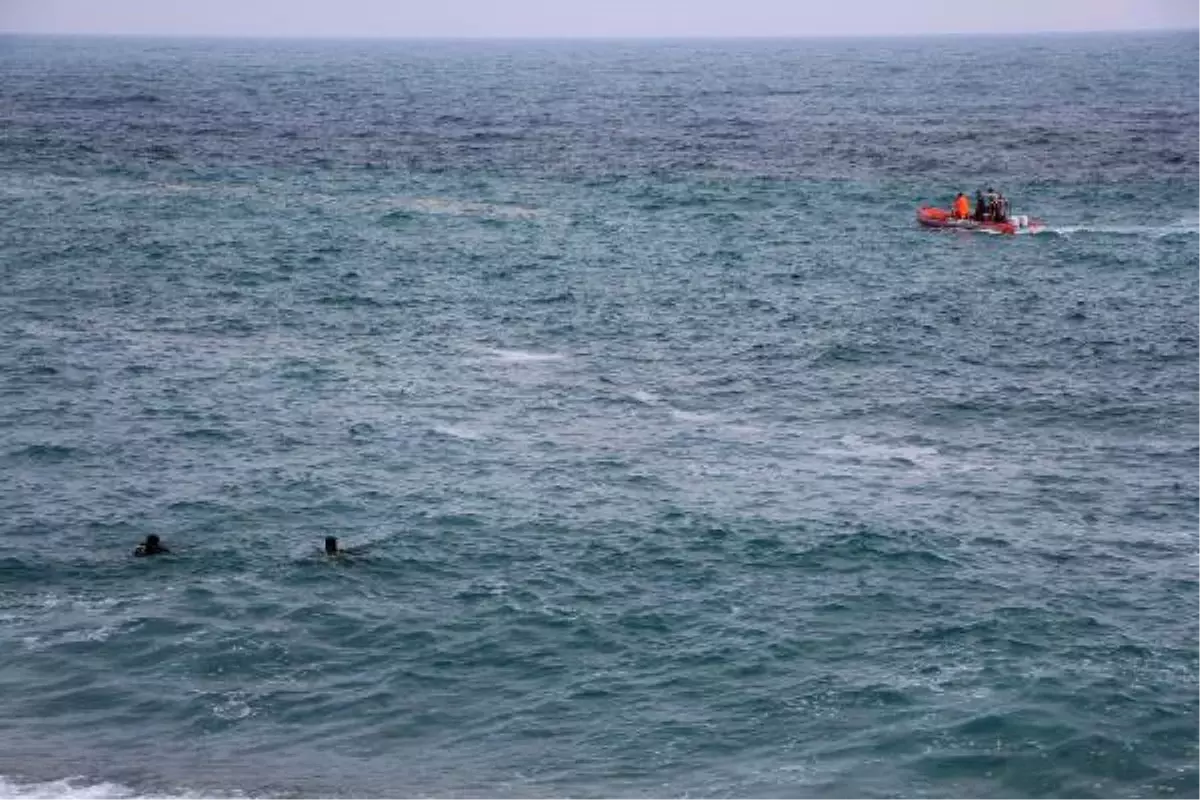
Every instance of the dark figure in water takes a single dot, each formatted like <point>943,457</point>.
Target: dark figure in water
<point>151,547</point>
<point>335,550</point>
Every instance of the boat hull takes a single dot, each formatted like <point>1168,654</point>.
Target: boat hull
<point>941,218</point>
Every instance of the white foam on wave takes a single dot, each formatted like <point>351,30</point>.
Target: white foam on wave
<point>524,356</point>
<point>457,432</point>
<point>82,789</point>
<point>856,447</point>
<point>644,397</point>
<point>920,459</point>
<point>691,416</point>
<point>648,398</point>
<point>49,619</point>
<point>45,641</point>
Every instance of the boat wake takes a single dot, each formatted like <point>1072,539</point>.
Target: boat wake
<point>1181,227</point>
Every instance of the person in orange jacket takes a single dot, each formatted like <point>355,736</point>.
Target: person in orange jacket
<point>962,207</point>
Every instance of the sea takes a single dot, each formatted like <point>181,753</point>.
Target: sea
<point>672,458</point>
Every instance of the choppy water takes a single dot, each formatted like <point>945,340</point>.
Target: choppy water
<point>682,461</point>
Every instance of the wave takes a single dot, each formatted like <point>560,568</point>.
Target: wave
<point>83,789</point>
<point>856,448</point>
<point>854,453</point>
<point>457,432</point>
<point>644,397</point>
<point>464,208</point>
<point>647,398</point>
<point>691,416</point>
<point>524,356</point>
<point>116,101</point>
<point>46,453</point>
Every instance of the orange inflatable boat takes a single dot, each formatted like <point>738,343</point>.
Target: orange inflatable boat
<point>941,218</point>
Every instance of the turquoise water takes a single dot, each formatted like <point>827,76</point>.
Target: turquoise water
<point>679,460</point>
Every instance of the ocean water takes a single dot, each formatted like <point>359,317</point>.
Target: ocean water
<point>679,460</point>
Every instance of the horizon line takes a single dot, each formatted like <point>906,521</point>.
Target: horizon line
<point>568,37</point>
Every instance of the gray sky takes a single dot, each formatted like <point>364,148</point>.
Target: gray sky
<point>571,18</point>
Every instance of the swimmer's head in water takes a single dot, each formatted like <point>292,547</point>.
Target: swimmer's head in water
<point>331,547</point>
<point>151,547</point>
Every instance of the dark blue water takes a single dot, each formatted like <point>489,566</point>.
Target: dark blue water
<point>680,461</point>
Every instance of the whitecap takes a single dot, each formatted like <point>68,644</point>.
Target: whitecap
<point>78,788</point>
<point>648,398</point>
<point>457,432</point>
<point>854,446</point>
<point>89,635</point>
<point>524,356</point>
<point>691,416</point>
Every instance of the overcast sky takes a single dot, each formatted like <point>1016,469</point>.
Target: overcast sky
<point>592,18</point>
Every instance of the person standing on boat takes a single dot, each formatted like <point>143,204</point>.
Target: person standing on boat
<point>1001,214</point>
<point>962,207</point>
<point>992,201</point>
<point>980,206</point>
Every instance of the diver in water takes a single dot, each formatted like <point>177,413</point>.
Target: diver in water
<point>151,547</point>
<point>334,549</point>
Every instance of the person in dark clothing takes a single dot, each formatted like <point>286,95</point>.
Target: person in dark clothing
<point>991,200</point>
<point>1001,214</point>
<point>980,206</point>
<point>151,547</point>
<point>331,546</point>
